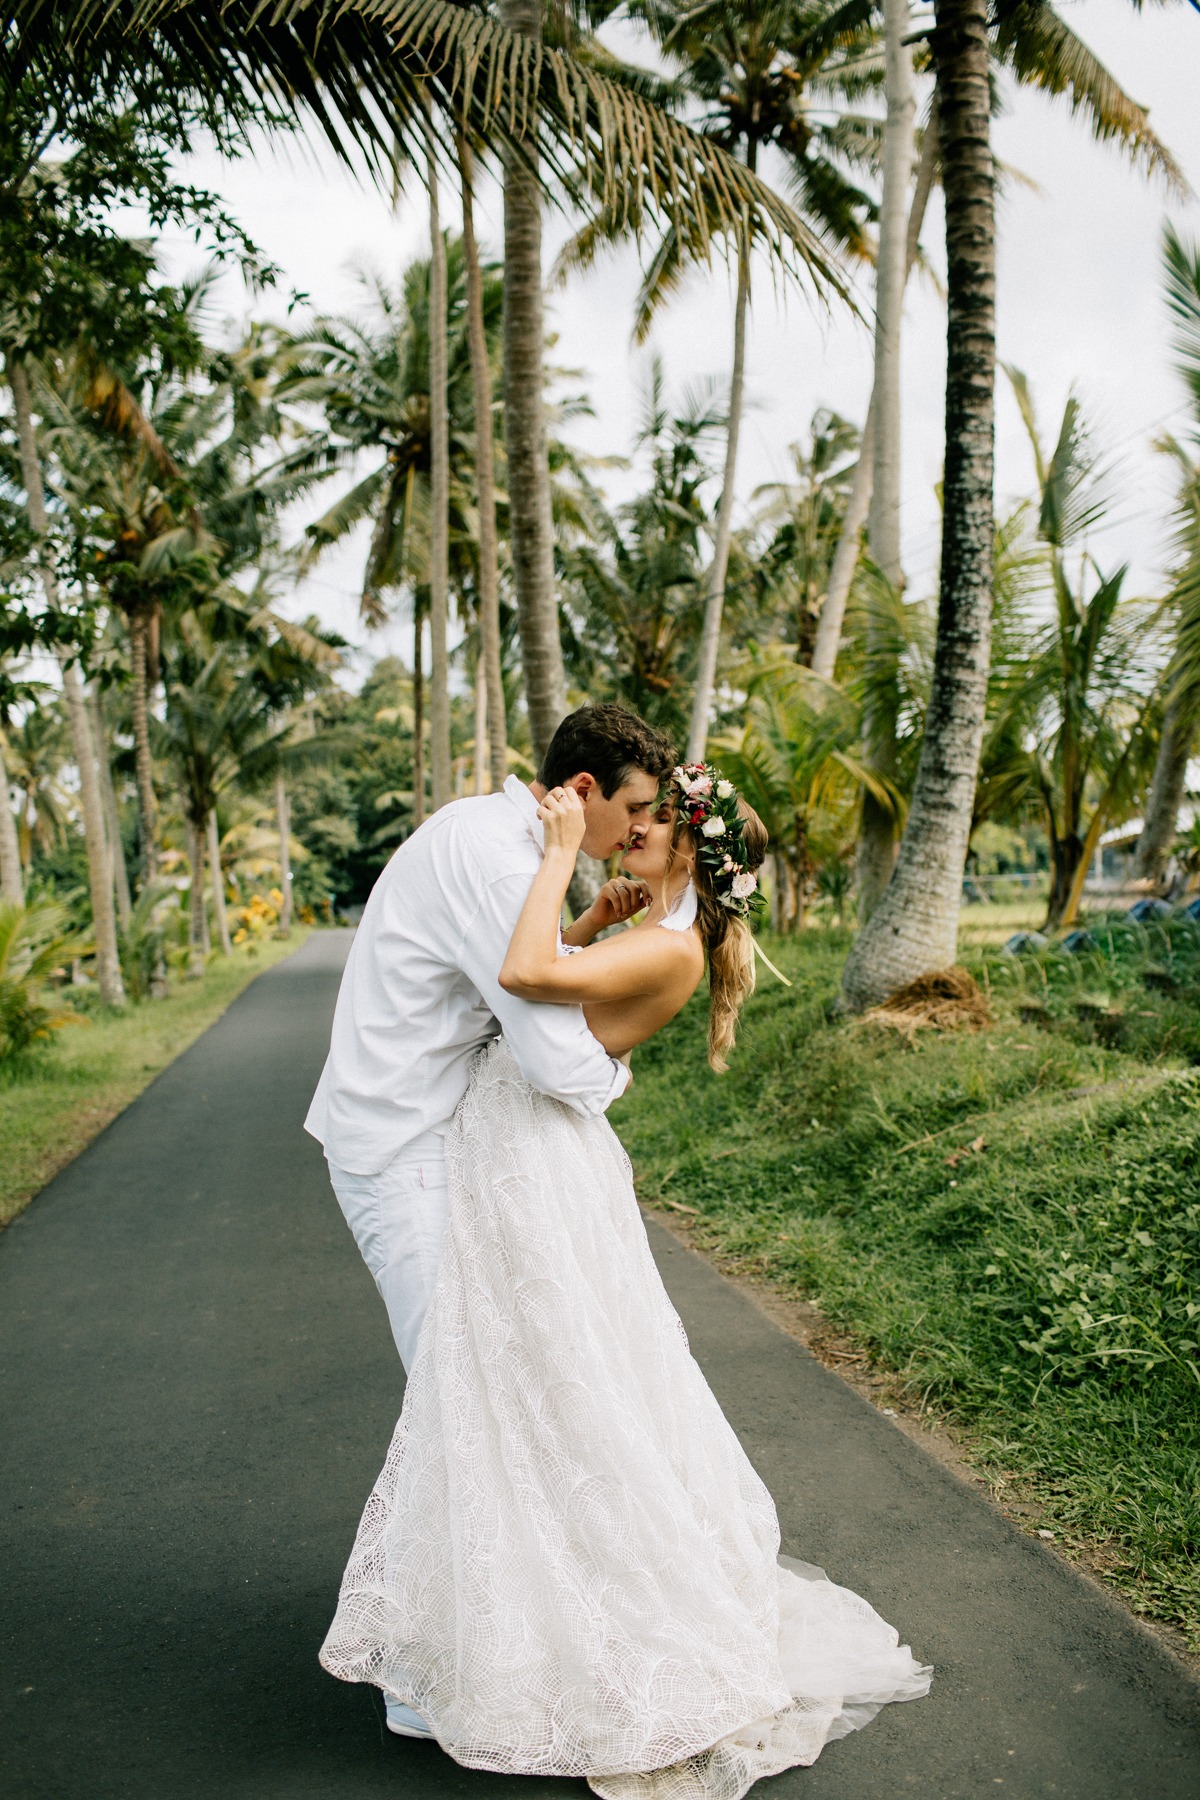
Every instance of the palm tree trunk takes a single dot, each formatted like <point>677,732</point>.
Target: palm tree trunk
<point>714,599</point>
<point>283,816</point>
<point>914,929</point>
<point>418,690</point>
<point>1167,789</point>
<point>111,815</point>
<point>481,727</point>
<point>877,833</point>
<point>197,919</point>
<point>218,883</point>
<point>531,523</point>
<point>100,889</point>
<point>139,708</point>
<point>439,495</point>
<point>12,875</point>
<point>858,502</point>
<point>485,484</point>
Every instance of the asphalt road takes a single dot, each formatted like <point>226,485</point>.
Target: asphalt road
<point>198,1389</point>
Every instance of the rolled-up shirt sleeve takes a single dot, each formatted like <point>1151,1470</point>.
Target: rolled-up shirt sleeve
<point>555,1051</point>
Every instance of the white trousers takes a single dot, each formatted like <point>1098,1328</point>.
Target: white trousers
<point>398,1218</point>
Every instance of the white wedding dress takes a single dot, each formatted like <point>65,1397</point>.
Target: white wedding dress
<point>568,1565</point>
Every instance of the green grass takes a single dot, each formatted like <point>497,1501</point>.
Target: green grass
<point>1041,1291</point>
<point>54,1103</point>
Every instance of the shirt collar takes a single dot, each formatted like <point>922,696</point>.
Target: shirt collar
<point>527,806</point>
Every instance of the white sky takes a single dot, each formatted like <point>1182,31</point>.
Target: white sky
<point>1079,305</point>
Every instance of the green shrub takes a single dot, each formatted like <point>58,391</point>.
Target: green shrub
<point>35,941</point>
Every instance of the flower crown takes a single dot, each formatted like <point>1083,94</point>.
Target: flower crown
<point>709,803</point>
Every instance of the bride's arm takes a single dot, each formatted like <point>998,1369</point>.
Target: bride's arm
<point>632,964</point>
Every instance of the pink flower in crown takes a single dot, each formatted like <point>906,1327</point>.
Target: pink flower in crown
<point>693,781</point>
<point>744,885</point>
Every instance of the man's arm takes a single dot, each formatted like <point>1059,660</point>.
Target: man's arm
<point>555,1051</point>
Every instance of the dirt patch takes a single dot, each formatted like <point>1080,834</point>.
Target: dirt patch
<point>947,1000</point>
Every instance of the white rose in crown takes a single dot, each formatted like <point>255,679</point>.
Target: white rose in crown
<point>714,827</point>
<point>724,789</point>
<point>743,885</point>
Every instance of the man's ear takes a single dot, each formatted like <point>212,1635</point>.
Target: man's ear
<point>583,785</point>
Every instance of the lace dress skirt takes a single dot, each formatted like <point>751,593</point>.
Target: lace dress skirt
<point>568,1566</point>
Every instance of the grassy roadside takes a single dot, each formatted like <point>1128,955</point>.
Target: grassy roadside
<point>1008,1221</point>
<point>56,1104</point>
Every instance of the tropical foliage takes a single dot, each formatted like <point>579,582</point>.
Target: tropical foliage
<point>165,485</point>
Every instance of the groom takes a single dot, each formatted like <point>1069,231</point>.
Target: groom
<point>420,994</point>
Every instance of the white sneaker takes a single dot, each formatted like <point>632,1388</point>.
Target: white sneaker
<point>404,1721</point>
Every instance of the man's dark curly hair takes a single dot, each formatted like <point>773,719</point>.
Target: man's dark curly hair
<point>609,742</point>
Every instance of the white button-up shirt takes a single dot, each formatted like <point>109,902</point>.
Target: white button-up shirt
<point>420,992</point>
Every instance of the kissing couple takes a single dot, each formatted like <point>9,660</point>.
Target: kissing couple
<point>568,1565</point>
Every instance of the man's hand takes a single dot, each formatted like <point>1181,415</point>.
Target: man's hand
<point>563,822</point>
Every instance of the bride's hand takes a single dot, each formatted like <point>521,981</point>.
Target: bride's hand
<point>617,901</point>
<point>563,822</point>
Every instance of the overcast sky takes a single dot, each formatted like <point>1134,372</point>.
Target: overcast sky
<point>1079,306</point>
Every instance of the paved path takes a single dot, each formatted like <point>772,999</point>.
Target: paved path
<point>198,1388</point>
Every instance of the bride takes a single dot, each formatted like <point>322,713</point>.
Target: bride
<point>568,1566</point>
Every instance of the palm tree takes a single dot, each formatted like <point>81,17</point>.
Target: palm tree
<point>765,77</point>
<point>226,727</point>
<point>1077,692</point>
<point>36,747</point>
<point>491,686</point>
<point>531,526</point>
<point>12,880</point>
<point>915,926</point>
<point>166,513</point>
<point>1182,679</point>
<point>796,759</point>
<point>791,567</point>
<point>372,376</point>
<point>877,831</point>
<point>439,496</point>
<point>1039,49</point>
<point>633,583</point>
<point>99,851</point>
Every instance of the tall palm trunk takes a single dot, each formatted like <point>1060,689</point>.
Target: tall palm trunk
<point>482,782</point>
<point>12,875</point>
<point>111,815</point>
<point>877,834</point>
<point>104,927</point>
<point>418,708</point>
<point>858,501</point>
<point>283,819</point>
<point>714,599</point>
<point>914,929</point>
<point>218,883</point>
<point>439,496</point>
<point>531,523</point>
<point>139,710</point>
<point>1167,789</point>
<point>485,483</point>
<point>197,913</point>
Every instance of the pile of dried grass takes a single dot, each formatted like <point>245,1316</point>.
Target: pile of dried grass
<point>948,1000</point>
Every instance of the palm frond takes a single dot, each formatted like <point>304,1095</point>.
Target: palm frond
<point>1181,266</point>
<point>1042,51</point>
<point>358,68</point>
